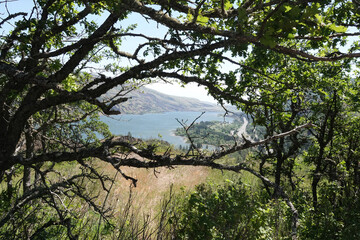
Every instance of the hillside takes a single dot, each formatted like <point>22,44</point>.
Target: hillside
<point>145,100</point>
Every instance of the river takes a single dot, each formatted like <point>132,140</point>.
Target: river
<point>157,125</point>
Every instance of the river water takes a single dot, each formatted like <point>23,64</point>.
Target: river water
<point>158,125</point>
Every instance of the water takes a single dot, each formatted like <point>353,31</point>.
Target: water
<point>157,125</point>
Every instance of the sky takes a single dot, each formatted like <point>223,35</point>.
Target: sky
<point>189,90</point>
<point>152,29</point>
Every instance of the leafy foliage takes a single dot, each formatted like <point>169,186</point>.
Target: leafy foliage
<point>290,65</point>
<point>230,211</point>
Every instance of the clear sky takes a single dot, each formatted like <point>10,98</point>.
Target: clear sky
<point>190,90</point>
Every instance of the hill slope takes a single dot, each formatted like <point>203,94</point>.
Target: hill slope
<point>145,100</point>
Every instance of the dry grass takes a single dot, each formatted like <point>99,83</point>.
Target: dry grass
<point>152,184</point>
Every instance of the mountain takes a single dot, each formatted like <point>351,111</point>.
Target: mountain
<point>145,100</point>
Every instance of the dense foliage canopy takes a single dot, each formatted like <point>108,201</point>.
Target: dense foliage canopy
<point>289,64</point>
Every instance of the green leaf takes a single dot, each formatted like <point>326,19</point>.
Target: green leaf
<point>202,20</point>
<point>268,41</point>
<point>288,8</point>
<point>227,5</point>
<point>338,29</point>
<point>291,36</point>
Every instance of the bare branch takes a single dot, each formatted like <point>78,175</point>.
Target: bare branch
<point>189,137</point>
<point>11,16</point>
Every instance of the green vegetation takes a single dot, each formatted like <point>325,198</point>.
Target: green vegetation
<point>213,133</point>
<point>292,66</point>
<point>227,212</point>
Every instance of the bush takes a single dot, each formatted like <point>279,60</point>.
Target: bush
<point>230,211</point>
<point>336,217</point>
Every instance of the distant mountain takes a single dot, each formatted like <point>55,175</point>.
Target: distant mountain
<point>145,100</point>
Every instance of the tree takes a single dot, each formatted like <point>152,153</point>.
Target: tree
<point>52,91</point>
<point>302,94</point>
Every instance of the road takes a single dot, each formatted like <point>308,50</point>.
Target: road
<point>242,129</point>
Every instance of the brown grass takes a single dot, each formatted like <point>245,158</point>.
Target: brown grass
<point>152,184</point>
